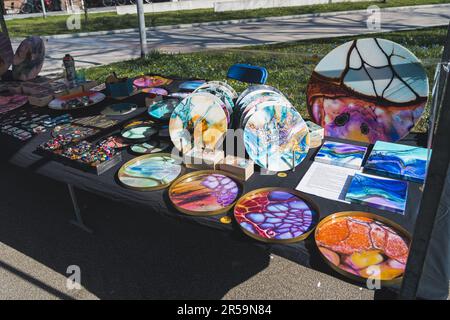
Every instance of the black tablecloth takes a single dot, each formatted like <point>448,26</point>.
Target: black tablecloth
<point>23,154</point>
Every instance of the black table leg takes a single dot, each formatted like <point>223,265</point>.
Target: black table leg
<point>78,221</point>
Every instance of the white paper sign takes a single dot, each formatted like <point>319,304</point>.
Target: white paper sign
<point>327,181</point>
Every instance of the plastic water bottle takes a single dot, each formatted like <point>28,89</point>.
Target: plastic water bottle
<point>69,66</point>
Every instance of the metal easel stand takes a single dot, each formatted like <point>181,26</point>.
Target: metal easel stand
<point>78,221</point>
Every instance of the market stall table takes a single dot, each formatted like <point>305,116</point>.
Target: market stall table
<point>23,154</point>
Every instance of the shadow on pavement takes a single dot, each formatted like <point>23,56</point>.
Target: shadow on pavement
<point>132,254</point>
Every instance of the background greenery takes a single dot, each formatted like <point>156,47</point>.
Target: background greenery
<point>289,64</point>
<point>111,21</point>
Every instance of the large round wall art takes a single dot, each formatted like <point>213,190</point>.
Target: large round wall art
<point>149,172</point>
<point>361,245</point>
<point>276,215</point>
<point>199,119</point>
<point>276,137</point>
<point>368,90</point>
<point>205,193</point>
<point>28,59</point>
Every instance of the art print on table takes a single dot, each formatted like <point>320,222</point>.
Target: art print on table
<point>275,215</point>
<point>368,90</point>
<point>341,154</point>
<point>398,161</point>
<point>377,192</point>
<point>361,245</point>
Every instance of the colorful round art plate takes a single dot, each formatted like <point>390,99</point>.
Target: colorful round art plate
<point>230,89</point>
<point>276,215</point>
<point>247,93</point>
<point>257,104</point>
<point>157,91</point>
<point>151,81</point>
<point>162,110</point>
<point>191,85</point>
<point>149,147</point>
<point>276,137</point>
<point>119,109</point>
<point>8,103</point>
<point>199,118</point>
<point>205,193</point>
<point>222,91</point>
<point>362,245</point>
<point>83,99</point>
<point>28,59</point>
<point>138,133</point>
<point>149,172</point>
<point>368,90</point>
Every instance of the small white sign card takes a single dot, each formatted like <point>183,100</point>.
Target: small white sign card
<point>327,181</point>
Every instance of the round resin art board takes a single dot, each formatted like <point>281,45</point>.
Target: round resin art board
<point>119,109</point>
<point>360,245</point>
<point>368,90</point>
<point>149,147</point>
<point>276,137</point>
<point>199,118</point>
<point>28,59</point>
<point>151,81</point>
<point>223,92</point>
<point>247,93</point>
<point>205,193</point>
<point>162,110</point>
<point>276,215</point>
<point>92,98</point>
<point>149,172</point>
<point>140,132</point>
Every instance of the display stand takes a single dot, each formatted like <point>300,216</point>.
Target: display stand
<point>434,186</point>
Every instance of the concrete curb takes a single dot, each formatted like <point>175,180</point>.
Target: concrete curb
<point>230,22</point>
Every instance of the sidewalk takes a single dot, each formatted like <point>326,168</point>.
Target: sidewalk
<point>104,49</point>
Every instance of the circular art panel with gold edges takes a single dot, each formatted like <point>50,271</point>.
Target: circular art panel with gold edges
<point>205,192</point>
<point>149,172</point>
<point>276,215</point>
<point>362,245</point>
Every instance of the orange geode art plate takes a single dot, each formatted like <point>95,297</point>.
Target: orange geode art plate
<point>363,246</point>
